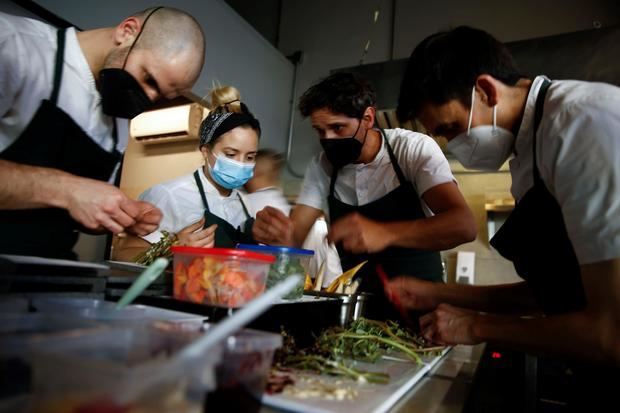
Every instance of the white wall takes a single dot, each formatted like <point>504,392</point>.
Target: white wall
<point>263,15</point>
<point>332,34</point>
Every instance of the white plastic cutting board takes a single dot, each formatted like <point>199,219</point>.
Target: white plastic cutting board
<point>371,398</point>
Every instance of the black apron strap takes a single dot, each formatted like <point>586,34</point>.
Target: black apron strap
<point>332,182</point>
<point>201,190</point>
<point>248,224</point>
<point>114,135</point>
<point>61,35</point>
<point>60,60</point>
<point>245,209</point>
<point>395,165</point>
<point>538,112</point>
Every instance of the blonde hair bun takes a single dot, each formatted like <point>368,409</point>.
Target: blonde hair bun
<point>225,98</point>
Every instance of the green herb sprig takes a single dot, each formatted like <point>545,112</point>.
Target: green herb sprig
<point>364,340</point>
<point>159,249</point>
<point>368,340</point>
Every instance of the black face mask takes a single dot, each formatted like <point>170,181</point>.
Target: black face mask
<point>343,151</point>
<point>121,94</point>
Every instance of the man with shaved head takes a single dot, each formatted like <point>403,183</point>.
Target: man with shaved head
<point>62,93</point>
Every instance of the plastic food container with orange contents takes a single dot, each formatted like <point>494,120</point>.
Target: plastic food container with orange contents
<point>219,276</point>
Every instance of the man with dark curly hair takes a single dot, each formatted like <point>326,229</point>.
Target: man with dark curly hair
<point>389,195</point>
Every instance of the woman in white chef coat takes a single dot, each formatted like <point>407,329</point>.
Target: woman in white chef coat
<point>205,209</point>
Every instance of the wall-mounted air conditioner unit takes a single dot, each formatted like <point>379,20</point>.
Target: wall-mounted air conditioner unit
<point>173,124</point>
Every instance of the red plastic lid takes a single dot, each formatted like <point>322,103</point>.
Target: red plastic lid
<point>224,252</point>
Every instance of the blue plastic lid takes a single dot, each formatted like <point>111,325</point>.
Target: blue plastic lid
<point>266,249</point>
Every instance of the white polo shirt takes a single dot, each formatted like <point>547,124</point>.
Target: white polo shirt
<point>578,155</point>
<point>419,157</point>
<point>181,204</point>
<point>27,56</point>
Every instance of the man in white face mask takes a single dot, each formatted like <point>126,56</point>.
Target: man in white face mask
<point>564,234</point>
<point>483,147</point>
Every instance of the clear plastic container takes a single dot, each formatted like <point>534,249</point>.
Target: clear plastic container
<point>25,324</point>
<point>242,375</point>
<point>289,261</point>
<point>88,308</point>
<point>106,312</point>
<point>219,276</point>
<point>19,334</point>
<point>122,370</point>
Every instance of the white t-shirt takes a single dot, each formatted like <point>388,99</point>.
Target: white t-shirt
<point>270,196</point>
<point>181,204</point>
<point>419,157</point>
<point>27,56</point>
<point>578,155</point>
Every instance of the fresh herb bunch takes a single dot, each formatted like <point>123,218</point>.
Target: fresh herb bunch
<point>368,340</point>
<point>284,267</point>
<point>364,340</point>
<point>159,249</point>
<point>290,356</point>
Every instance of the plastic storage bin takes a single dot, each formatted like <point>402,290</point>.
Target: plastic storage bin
<point>289,261</point>
<point>122,370</point>
<point>26,324</point>
<point>105,312</point>
<point>219,276</point>
<point>19,334</point>
<point>242,375</point>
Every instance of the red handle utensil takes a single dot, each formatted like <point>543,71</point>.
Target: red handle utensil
<point>393,298</point>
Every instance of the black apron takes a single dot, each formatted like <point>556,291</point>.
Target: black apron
<point>226,236</point>
<point>535,239</point>
<point>52,139</point>
<point>401,204</point>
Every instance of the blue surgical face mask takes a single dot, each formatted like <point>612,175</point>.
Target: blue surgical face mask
<point>229,173</point>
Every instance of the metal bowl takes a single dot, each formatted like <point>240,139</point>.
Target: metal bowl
<point>352,307</point>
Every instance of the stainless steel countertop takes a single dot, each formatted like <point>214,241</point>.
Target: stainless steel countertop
<point>444,389</point>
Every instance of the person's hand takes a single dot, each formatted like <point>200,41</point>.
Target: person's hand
<point>412,293</point>
<point>273,227</point>
<point>193,236</point>
<point>147,220</point>
<point>98,205</point>
<point>449,325</point>
<point>359,234</point>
